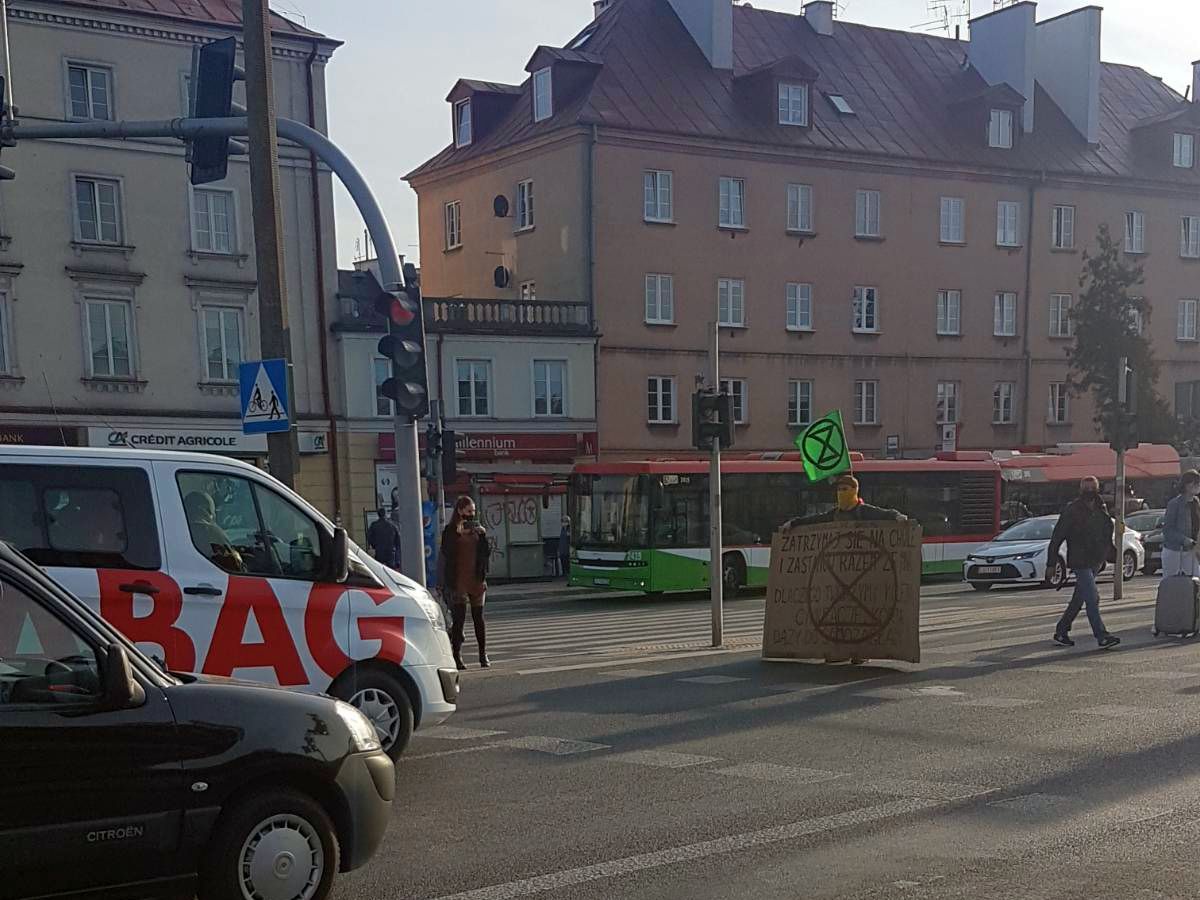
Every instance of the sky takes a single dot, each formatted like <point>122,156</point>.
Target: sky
<point>386,87</point>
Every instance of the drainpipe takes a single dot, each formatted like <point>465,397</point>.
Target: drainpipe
<point>591,276</point>
<point>322,318</point>
<point>1027,358</point>
<point>441,372</point>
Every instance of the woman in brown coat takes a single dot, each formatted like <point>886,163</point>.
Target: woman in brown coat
<point>462,574</point>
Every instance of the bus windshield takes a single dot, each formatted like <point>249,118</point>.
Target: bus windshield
<point>612,511</point>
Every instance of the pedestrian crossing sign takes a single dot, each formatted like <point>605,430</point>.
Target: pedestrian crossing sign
<point>264,396</point>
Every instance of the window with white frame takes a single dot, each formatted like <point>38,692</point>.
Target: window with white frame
<point>1062,227</point>
<point>1002,402</point>
<point>1189,237</point>
<point>214,228</point>
<point>1000,129</point>
<point>739,393</point>
<point>660,399</point>
<point>866,310</point>
<point>1185,151</point>
<point>474,383</point>
<point>866,214</point>
<point>1008,216</point>
<point>731,302</point>
<point>1005,314</point>
<point>1185,329</point>
<point>793,104</point>
<point>732,212</point>
<point>1060,409</point>
<point>90,91</point>
<point>799,207</point>
<point>1060,316</point>
<point>952,231</point>
<point>222,342</point>
<point>524,205</point>
<point>543,95</point>
<point>97,210</point>
<point>453,224</point>
<point>800,402</point>
<point>947,402</point>
<point>1135,232</point>
<point>549,387</point>
<point>462,123</point>
<point>866,403</point>
<point>949,312</point>
<point>382,370</point>
<point>657,199</point>
<point>660,299</point>
<point>528,290</point>
<point>109,338</point>
<point>799,307</point>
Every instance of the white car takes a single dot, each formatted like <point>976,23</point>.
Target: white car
<point>1018,556</point>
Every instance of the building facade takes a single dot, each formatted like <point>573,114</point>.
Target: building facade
<point>127,297</point>
<point>884,223</point>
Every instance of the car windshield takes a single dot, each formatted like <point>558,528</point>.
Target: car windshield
<point>1145,521</point>
<point>1029,530</point>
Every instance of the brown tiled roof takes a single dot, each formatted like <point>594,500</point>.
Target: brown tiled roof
<point>900,84</point>
<point>205,12</point>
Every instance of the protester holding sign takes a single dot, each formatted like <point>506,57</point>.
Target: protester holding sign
<point>850,508</point>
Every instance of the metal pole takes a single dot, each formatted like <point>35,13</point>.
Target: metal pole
<point>274,334</point>
<point>8,88</point>
<point>1119,490</point>
<point>435,413</point>
<point>716,567</point>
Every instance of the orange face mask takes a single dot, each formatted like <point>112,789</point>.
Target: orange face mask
<point>847,497</point>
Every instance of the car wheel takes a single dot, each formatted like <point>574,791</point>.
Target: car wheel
<point>981,585</point>
<point>381,698</point>
<point>1058,577</point>
<point>733,574</point>
<point>278,845</point>
<point>1129,565</point>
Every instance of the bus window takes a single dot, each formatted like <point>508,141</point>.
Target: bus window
<point>681,511</point>
<point>611,510</point>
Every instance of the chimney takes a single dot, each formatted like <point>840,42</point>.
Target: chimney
<point>819,14</point>
<point>710,23</point>
<point>1196,81</point>
<point>1067,66</point>
<point>1002,50</point>
<point>599,6</point>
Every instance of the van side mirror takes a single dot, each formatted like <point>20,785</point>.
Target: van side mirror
<point>121,689</point>
<point>339,557</point>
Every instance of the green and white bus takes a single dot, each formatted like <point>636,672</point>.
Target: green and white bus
<point>643,526</point>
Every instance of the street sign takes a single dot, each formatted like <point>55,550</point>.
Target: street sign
<point>264,396</point>
<point>823,447</point>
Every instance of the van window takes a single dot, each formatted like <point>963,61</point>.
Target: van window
<point>243,527</point>
<point>80,516</point>
<point>42,660</point>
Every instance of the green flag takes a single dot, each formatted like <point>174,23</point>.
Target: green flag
<point>823,447</point>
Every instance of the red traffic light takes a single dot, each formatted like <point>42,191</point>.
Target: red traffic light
<point>396,307</point>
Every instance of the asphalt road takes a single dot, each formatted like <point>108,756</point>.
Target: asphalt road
<point>609,753</point>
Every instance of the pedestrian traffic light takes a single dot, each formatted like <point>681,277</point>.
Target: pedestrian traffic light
<point>404,346</point>
<point>712,417</point>
<point>6,174</point>
<point>449,456</point>
<point>214,70</point>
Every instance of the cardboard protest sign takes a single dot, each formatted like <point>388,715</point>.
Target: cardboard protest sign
<point>842,590</point>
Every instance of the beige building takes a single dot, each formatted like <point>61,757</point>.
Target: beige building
<point>128,298</point>
<point>885,223</point>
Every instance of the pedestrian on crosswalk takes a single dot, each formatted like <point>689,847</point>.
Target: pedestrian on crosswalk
<point>1087,529</point>
<point>463,571</point>
<point>1181,526</point>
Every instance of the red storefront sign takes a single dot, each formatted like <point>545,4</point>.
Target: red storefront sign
<point>34,435</point>
<point>485,446</point>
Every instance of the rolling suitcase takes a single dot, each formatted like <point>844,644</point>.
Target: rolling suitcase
<point>1177,610</point>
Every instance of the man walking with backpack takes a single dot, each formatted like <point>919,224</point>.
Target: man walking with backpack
<point>1087,529</point>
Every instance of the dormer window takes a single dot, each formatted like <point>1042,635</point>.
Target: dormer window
<point>543,102</point>
<point>462,123</point>
<point>841,104</point>
<point>1185,151</point>
<point>1000,129</point>
<point>793,104</point>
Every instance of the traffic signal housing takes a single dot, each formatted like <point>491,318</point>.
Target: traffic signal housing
<point>404,347</point>
<point>214,70</point>
<point>712,417</point>
<point>449,456</point>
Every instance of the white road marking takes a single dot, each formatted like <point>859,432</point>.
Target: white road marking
<point>997,702</point>
<point>609,663</point>
<point>926,790</point>
<point>712,679</point>
<point>1066,669</point>
<point>1163,676</point>
<point>688,852</point>
<point>552,745</point>
<point>453,733</point>
<point>663,759</point>
<point>629,673</point>
<point>1114,712</point>
<point>759,771</point>
<point>1028,802</point>
<point>475,749</point>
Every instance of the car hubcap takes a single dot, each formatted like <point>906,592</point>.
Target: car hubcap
<point>281,860</point>
<point>1130,566</point>
<point>381,709</point>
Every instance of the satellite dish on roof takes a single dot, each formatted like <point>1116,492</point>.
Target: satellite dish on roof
<point>500,206</point>
<point>501,277</point>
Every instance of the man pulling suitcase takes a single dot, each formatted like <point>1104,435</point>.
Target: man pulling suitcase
<point>1087,529</point>
<point>1177,609</point>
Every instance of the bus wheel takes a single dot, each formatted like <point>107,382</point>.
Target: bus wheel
<point>733,573</point>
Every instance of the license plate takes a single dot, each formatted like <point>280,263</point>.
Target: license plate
<point>600,582</point>
<point>990,570</point>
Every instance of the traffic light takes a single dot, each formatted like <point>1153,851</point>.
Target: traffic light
<point>404,346</point>
<point>712,417</point>
<point>1125,423</point>
<point>449,456</point>
<point>6,174</point>
<point>214,70</point>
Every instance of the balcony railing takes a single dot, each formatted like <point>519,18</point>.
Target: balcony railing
<point>507,316</point>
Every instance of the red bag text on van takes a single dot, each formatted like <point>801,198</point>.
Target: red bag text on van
<point>275,651</point>
<point>158,627</point>
<point>318,628</point>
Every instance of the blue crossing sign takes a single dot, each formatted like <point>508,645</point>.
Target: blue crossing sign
<point>264,396</point>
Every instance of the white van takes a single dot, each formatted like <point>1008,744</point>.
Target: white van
<point>213,566</point>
